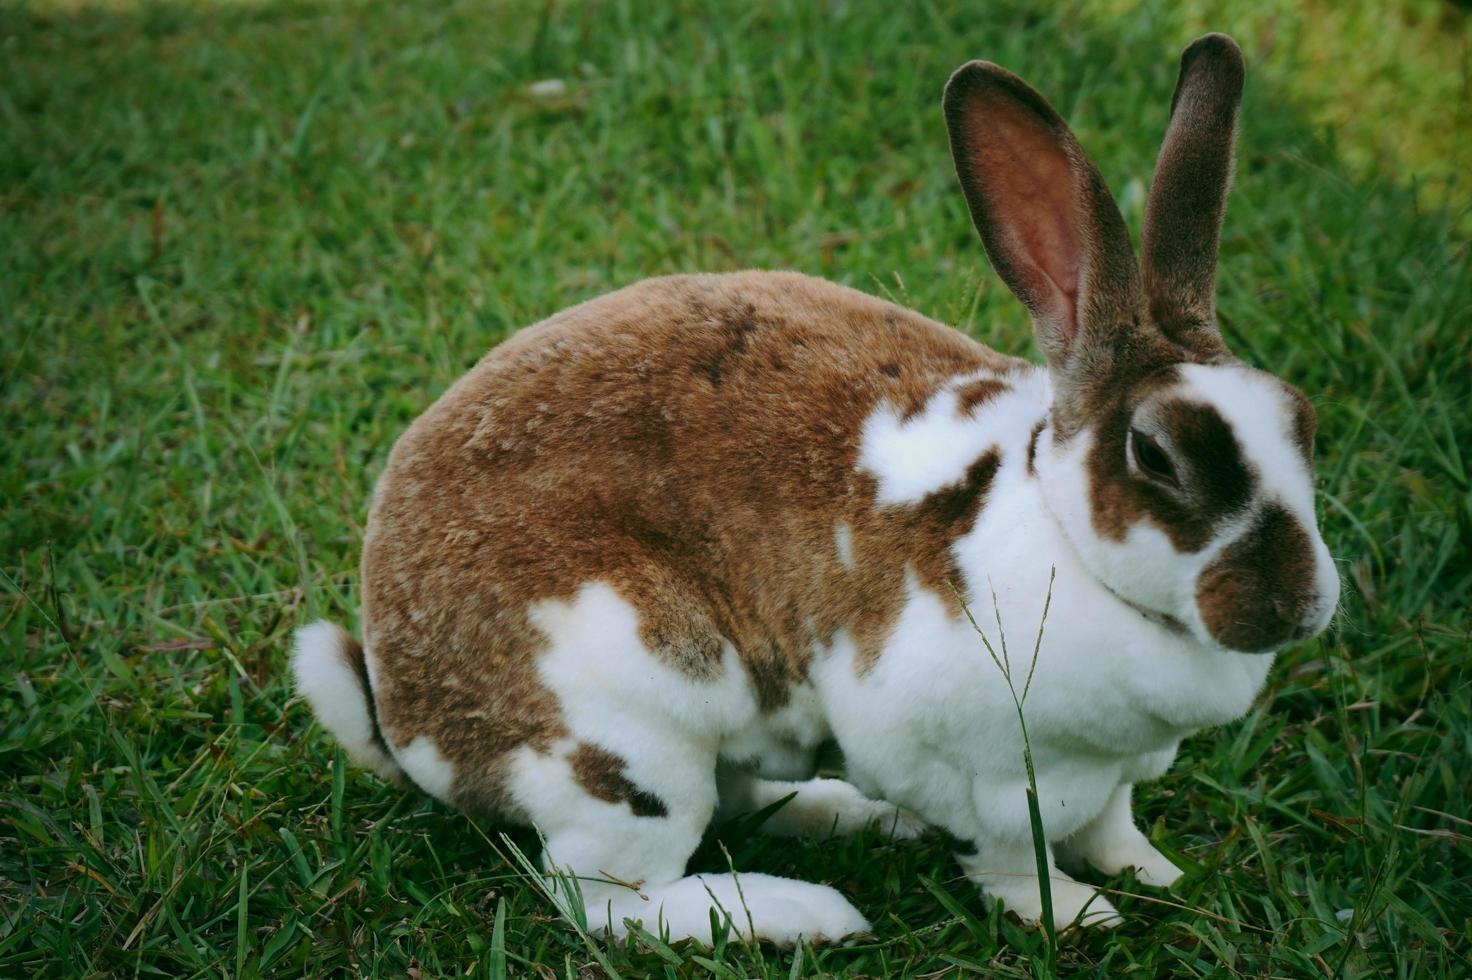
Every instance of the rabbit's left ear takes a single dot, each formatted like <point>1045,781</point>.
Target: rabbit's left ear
<point>1183,218</point>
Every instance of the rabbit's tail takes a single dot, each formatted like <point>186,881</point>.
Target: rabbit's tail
<point>331,673</point>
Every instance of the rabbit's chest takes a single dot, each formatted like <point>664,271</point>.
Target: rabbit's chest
<point>1101,671</point>
<point>1105,681</point>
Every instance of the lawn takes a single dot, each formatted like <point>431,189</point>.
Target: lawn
<point>243,244</point>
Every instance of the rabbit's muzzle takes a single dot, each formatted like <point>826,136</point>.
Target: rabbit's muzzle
<point>1273,586</point>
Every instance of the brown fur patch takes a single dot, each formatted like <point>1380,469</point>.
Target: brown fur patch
<point>775,668</point>
<point>737,322</point>
<point>923,534</point>
<point>601,773</point>
<point>690,441</point>
<point>1254,596</point>
<point>1032,446</point>
<point>950,511</point>
<point>975,394</point>
<point>1212,456</point>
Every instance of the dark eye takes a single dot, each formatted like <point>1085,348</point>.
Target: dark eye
<point>1151,459</point>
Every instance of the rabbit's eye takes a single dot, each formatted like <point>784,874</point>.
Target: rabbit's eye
<point>1151,459</point>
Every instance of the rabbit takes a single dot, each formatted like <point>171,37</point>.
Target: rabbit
<point>644,558</point>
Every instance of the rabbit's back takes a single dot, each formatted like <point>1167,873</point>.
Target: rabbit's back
<point>693,443</point>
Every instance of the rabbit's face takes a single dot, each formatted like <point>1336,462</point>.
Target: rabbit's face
<point>1192,499</point>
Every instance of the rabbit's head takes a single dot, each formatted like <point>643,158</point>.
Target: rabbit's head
<point>1181,476</point>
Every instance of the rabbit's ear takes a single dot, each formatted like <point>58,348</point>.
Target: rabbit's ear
<point>1183,219</point>
<point>1050,227</point>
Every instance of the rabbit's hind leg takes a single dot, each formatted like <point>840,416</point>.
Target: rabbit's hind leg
<point>619,836</point>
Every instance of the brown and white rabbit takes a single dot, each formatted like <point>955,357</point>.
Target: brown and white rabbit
<point>648,554</point>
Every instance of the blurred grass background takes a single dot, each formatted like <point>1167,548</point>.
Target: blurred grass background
<point>243,244</point>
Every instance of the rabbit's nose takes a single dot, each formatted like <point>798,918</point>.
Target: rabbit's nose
<point>1308,616</point>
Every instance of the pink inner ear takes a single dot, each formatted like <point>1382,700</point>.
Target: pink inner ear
<point>1030,189</point>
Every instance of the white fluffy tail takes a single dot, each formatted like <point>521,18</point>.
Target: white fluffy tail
<point>332,675</point>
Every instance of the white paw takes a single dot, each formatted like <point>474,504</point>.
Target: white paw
<point>780,910</point>
<point>797,909</point>
<point>1149,866</point>
<point>1074,903</point>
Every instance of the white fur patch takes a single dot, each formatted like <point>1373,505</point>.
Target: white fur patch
<point>915,457</point>
<point>613,689</point>
<point>430,771</point>
<point>597,836</point>
<point>912,458</point>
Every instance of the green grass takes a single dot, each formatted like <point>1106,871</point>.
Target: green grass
<point>242,245</point>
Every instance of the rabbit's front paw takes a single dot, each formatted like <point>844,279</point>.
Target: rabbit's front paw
<point>1074,903</point>
<point>1149,865</point>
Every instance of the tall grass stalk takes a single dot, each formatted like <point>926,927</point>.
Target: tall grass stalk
<point>1034,812</point>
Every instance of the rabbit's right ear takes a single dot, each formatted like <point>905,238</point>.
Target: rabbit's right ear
<point>1049,224</point>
